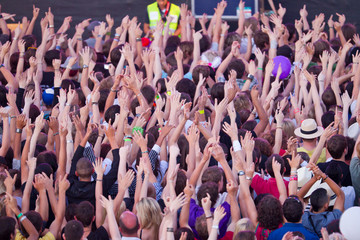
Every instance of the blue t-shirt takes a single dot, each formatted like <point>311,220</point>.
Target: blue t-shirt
<point>313,222</point>
<point>292,227</point>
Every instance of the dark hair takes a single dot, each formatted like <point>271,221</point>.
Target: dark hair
<point>264,146</point>
<point>34,112</point>
<point>186,86</point>
<point>212,174</point>
<point>149,93</point>
<point>238,66</point>
<point>320,46</point>
<point>70,212</point>
<point>205,43</point>
<point>85,213</point>
<point>35,219</point>
<point>190,234</point>
<point>351,145</point>
<point>293,209</point>
<point>50,56</point>
<point>171,44</point>
<point>115,55</point>
<point>204,70</point>
<point>336,146</point>
<point>249,125</point>
<point>3,92</point>
<point>327,118</point>
<point>74,230</point>
<point>270,214</point>
<point>245,235</point>
<point>268,164</point>
<point>230,38</point>
<point>111,112</point>
<point>84,168</point>
<point>334,171</point>
<point>328,97</point>
<point>349,30</point>
<point>261,39</point>
<point>208,187</point>
<point>48,157</point>
<point>104,93</point>
<point>161,81</point>
<point>7,227</point>
<point>171,60</point>
<point>318,199</point>
<point>187,47</point>
<point>180,182</point>
<point>217,91</point>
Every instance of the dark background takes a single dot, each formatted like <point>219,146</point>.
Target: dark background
<point>96,9</point>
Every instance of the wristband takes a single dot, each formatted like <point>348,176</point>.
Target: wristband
<point>2,65</point>
<point>248,178</point>
<point>67,104</point>
<point>296,110</point>
<point>114,90</point>
<point>221,35</point>
<point>20,214</point>
<point>273,44</point>
<point>79,39</point>
<point>23,218</point>
<point>117,35</point>
<point>94,103</point>
<point>138,39</point>
<point>127,140</point>
<point>116,40</point>
<point>201,111</point>
<point>145,152</point>
<point>241,173</point>
<point>108,34</point>
<point>18,130</point>
<point>11,117</point>
<point>58,48</point>
<point>57,133</point>
<point>260,68</point>
<point>236,145</point>
<point>51,26</point>
<point>170,229</point>
<point>209,217</point>
<point>159,130</point>
<point>324,179</point>
<point>215,227</point>
<point>15,38</point>
<point>101,136</point>
<point>293,178</point>
<point>85,66</point>
<point>139,129</point>
<point>168,93</point>
<point>99,35</point>
<point>99,180</point>
<point>128,136</point>
<point>69,141</point>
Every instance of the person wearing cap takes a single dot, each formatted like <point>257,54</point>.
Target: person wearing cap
<point>319,216</point>
<point>159,11</point>
<point>309,132</point>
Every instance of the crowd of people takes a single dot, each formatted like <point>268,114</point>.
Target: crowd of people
<point>171,132</point>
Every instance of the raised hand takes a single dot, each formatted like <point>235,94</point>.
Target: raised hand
<point>206,203</point>
<point>219,214</point>
<point>99,168</point>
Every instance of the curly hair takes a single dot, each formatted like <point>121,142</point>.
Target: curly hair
<point>270,212</point>
<point>264,146</point>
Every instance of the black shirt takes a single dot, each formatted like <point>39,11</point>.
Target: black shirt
<point>346,179</point>
<point>99,234</point>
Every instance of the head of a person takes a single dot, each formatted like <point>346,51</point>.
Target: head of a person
<point>337,146</point>
<point>268,164</point>
<point>179,231</point>
<point>214,174</point>
<point>201,227</point>
<point>111,112</point>
<point>349,30</point>
<point>180,181</point>
<point>162,3</point>
<point>149,213</point>
<point>243,224</point>
<point>238,66</point>
<point>230,38</point>
<point>187,47</point>
<point>149,93</point>
<point>293,209</point>
<point>84,168</point>
<point>245,235</point>
<point>85,213</point>
<point>328,97</point>
<point>217,91</point>
<point>185,85</point>
<point>261,40</point>
<point>48,157</point>
<point>128,224</point>
<point>74,230</point>
<point>200,69</point>
<point>7,230</point>
<point>210,188</point>
<point>242,102</point>
<point>288,128</point>
<point>327,118</point>
<point>334,172</point>
<point>319,200</point>
<point>36,220</point>
<point>50,56</point>
<point>270,213</point>
<point>320,46</point>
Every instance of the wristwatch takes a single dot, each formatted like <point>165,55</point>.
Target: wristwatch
<point>241,173</point>
<point>251,77</point>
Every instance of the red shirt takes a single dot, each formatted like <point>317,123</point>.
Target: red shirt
<point>266,186</point>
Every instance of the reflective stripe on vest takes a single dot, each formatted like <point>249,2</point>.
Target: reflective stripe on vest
<point>155,16</point>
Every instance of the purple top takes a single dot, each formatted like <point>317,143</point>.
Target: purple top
<point>196,211</point>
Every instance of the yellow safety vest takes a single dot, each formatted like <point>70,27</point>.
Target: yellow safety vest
<point>155,16</point>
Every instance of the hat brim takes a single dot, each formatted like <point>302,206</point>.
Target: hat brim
<point>313,188</point>
<point>318,133</point>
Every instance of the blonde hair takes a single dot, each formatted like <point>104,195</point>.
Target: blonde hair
<point>289,128</point>
<point>242,102</point>
<point>149,214</point>
<point>243,224</point>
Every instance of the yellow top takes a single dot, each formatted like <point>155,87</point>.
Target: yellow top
<point>322,157</point>
<point>47,236</point>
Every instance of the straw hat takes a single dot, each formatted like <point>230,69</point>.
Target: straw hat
<point>353,131</point>
<point>349,223</point>
<point>304,175</point>
<point>309,129</point>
